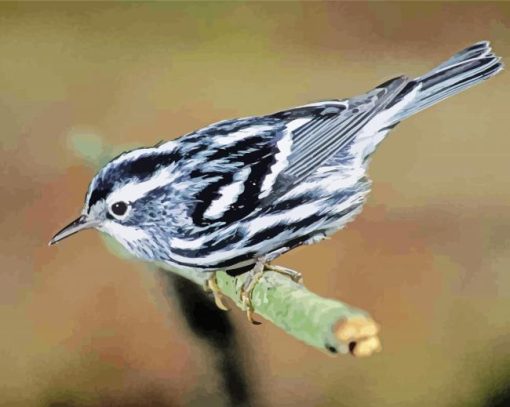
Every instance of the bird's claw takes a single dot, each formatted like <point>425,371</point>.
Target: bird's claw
<point>212,286</point>
<point>246,301</point>
<point>292,274</point>
<point>246,289</point>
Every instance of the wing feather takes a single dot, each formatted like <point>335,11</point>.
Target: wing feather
<point>323,136</point>
<point>280,150</point>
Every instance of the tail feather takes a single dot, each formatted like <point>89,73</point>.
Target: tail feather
<point>465,69</point>
<point>478,50</point>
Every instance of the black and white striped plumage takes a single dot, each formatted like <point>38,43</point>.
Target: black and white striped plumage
<point>238,190</point>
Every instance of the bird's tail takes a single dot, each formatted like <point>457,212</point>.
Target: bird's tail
<point>463,70</point>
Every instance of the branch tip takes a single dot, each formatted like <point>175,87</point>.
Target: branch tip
<point>360,335</point>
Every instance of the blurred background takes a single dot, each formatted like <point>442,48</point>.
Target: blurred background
<point>428,257</point>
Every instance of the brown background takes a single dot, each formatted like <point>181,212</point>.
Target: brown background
<point>428,257</point>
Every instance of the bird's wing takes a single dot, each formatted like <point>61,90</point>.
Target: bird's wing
<point>326,128</point>
<point>243,165</point>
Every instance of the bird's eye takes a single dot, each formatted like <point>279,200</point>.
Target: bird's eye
<point>119,209</point>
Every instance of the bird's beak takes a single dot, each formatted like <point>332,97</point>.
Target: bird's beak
<point>75,226</point>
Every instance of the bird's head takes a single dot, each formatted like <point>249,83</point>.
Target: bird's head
<point>127,198</point>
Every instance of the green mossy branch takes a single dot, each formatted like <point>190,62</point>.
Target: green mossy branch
<point>326,324</point>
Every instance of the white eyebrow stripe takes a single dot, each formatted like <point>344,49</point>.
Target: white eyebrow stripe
<point>133,191</point>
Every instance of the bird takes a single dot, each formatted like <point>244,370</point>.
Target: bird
<point>237,194</point>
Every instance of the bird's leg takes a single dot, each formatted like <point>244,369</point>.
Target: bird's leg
<point>212,285</point>
<point>254,276</point>
<point>292,274</point>
<point>249,284</point>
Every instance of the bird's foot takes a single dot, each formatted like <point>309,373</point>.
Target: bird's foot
<point>292,274</point>
<point>212,285</point>
<point>249,284</point>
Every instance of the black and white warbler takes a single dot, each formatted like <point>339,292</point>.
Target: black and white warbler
<point>238,193</point>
